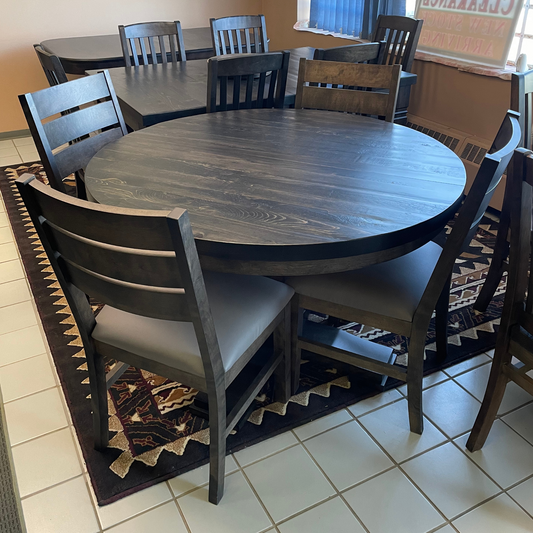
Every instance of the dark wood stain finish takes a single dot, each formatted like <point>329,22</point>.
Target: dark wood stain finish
<point>514,335</point>
<point>151,94</point>
<point>522,102</point>
<point>152,42</point>
<point>242,34</point>
<point>86,264</point>
<point>78,54</point>
<point>261,77</point>
<point>280,192</point>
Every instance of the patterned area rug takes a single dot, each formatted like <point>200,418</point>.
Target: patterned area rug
<point>156,436</point>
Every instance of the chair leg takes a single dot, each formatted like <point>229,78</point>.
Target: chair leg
<point>441,321</point>
<point>497,266</point>
<point>98,387</point>
<point>296,351</point>
<point>491,402</point>
<point>217,446</point>
<point>282,343</point>
<point>415,372</point>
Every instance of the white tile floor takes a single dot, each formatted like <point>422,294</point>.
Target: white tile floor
<point>358,470</point>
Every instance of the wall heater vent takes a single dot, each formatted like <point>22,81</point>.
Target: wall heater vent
<point>448,140</point>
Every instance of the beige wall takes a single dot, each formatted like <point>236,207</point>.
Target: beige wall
<point>466,102</point>
<point>25,22</point>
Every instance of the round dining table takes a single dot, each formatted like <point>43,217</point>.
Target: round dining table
<point>283,192</point>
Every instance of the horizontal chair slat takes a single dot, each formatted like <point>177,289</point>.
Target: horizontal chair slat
<point>76,93</point>
<point>132,265</point>
<point>145,229</point>
<point>246,63</point>
<point>151,302</point>
<point>78,155</point>
<point>374,76</point>
<point>80,123</point>
<point>345,100</point>
<point>231,23</point>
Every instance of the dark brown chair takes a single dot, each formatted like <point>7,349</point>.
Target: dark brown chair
<point>155,40</point>
<point>401,35</point>
<point>53,69</point>
<point>254,80</point>
<point>349,87</point>
<point>353,53</point>
<point>401,295</point>
<point>239,35</point>
<point>516,327</point>
<point>68,142</point>
<point>521,101</point>
<point>161,312</point>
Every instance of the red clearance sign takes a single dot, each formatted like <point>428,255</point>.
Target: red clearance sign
<point>479,31</point>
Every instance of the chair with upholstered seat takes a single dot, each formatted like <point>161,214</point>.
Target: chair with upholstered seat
<point>161,312</point>
<point>239,35</point>
<point>155,40</point>
<point>516,327</point>
<point>348,89</point>
<point>253,80</point>
<point>522,102</point>
<point>400,295</point>
<point>90,117</point>
<point>52,67</point>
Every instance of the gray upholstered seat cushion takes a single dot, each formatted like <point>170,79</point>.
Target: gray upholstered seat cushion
<point>392,289</point>
<point>242,308</point>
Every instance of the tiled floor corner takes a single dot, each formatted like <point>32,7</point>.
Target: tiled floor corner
<point>357,470</point>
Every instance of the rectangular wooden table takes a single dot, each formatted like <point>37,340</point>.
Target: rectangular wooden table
<point>151,94</point>
<point>79,54</point>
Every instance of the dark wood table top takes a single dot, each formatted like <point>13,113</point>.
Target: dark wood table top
<point>151,94</point>
<point>287,192</point>
<point>79,54</point>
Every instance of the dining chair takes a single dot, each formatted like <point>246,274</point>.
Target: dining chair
<point>349,85</point>
<point>521,101</point>
<point>247,77</point>
<point>154,39</point>
<point>161,313</point>
<point>238,35</point>
<point>513,356</point>
<point>401,35</point>
<point>52,67</point>
<point>89,118</point>
<point>400,295</point>
<point>353,53</point>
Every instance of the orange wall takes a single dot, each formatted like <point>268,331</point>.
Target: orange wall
<point>467,102</point>
<point>25,22</point>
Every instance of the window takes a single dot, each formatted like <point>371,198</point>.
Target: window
<point>348,18</point>
<point>523,39</point>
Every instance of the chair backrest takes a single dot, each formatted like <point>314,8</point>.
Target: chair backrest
<point>152,40</point>
<point>522,102</point>
<point>350,83</point>
<point>401,35</point>
<point>139,261</point>
<point>469,215</point>
<point>517,314</point>
<point>248,78</point>
<point>66,142</point>
<point>353,53</point>
<point>239,35</point>
<point>53,69</point>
